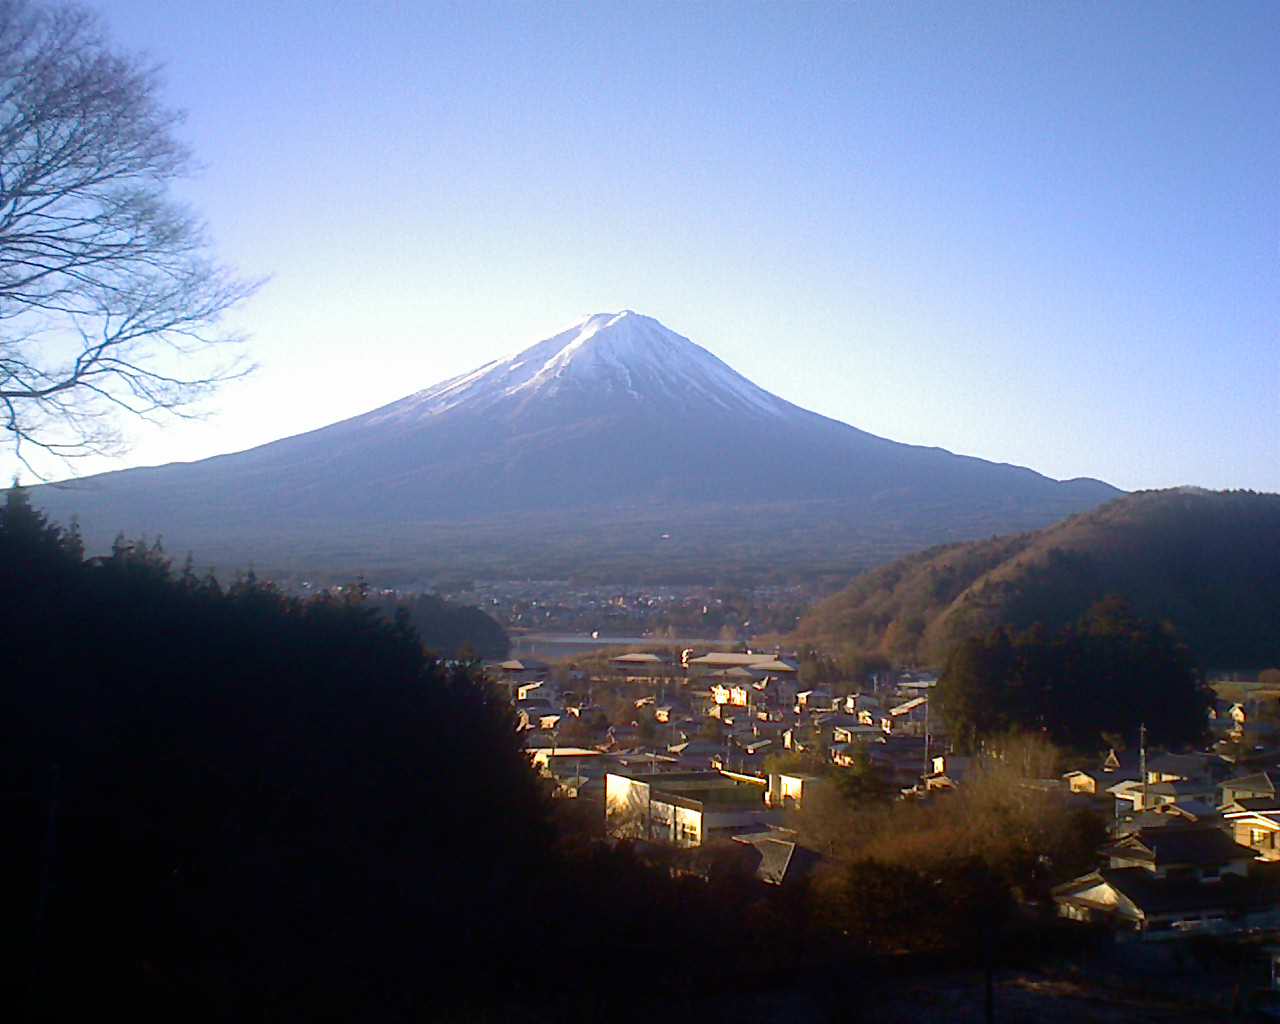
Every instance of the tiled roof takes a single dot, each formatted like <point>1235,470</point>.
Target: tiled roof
<point>1154,895</point>
<point>1261,781</point>
<point>1162,846</point>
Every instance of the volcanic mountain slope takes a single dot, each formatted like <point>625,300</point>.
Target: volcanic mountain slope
<point>616,425</point>
<point>1208,562</point>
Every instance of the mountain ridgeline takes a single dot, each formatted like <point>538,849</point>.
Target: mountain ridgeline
<point>1207,562</point>
<point>616,444</point>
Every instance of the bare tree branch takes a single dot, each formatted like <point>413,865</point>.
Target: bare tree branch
<point>105,281</point>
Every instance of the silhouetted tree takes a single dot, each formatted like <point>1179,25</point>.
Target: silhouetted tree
<point>108,296</point>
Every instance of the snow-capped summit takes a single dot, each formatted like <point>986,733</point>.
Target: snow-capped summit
<point>602,357</point>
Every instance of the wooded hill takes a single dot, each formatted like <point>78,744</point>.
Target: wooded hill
<point>1208,562</point>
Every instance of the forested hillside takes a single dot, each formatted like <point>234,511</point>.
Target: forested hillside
<point>225,803</point>
<point>1208,562</point>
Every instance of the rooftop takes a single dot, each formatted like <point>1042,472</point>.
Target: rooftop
<point>1160,847</point>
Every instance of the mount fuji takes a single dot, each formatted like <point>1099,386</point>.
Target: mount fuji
<point>583,450</point>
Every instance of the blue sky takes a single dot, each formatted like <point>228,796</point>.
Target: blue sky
<point>1039,233</point>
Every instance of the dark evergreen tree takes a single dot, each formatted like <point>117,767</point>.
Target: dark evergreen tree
<point>1110,672</point>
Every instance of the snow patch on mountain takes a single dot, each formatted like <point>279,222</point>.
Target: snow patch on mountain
<point>625,356</point>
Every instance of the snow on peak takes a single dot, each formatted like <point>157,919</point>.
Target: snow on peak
<point>623,356</point>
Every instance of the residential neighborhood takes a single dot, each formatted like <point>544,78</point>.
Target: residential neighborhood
<point>690,750</point>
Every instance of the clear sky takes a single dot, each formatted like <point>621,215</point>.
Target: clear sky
<point>1040,233</point>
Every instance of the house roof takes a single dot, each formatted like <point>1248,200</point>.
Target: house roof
<point>1181,788</point>
<point>719,658</point>
<point>781,861</point>
<point>1254,805</point>
<point>696,747</point>
<point>1123,761</point>
<point>1205,847</point>
<point>1263,813</point>
<point>638,658</point>
<point>909,706</point>
<point>773,665</point>
<point>1258,781</point>
<point>1154,895</point>
<point>835,720</point>
<point>860,730</point>
<point>523,665</point>
<point>739,820</point>
<point>1187,766</point>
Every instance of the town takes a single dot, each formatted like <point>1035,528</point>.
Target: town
<point>682,753</point>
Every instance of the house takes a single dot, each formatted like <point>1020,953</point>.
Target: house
<point>1166,882</point>
<point>1203,791</point>
<point>1126,791</point>
<point>642,667</point>
<point>1256,786</point>
<point>518,670</point>
<point>696,754</point>
<point>775,690</point>
<point>1098,781</point>
<point>1221,723</point>
<point>899,759</point>
<point>781,861</point>
<point>546,759</point>
<point>814,700</point>
<point>759,663</point>
<point>536,713</point>
<point>1186,768</point>
<point>948,771</point>
<point>684,808</point>
<point>845,755</point>
<point>1087,782</point>
<point>916,685</point>
<point>856,702</point>
<point>909,717</point>
<point>575,771</point>
<point>1189,813</point>
<point>800,738</point>
<point>745,755</point>
<point>1255,823</point>
<point>735,692</point>
<point>788,789</point>
<point>1180,853</point>
<point>856,733</point>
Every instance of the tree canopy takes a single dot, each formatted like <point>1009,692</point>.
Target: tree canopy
<point>1110,673</point>
<point>238,799</point>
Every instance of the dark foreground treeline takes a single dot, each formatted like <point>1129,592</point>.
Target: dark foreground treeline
<point>226,804</point>
<point>229,801</point>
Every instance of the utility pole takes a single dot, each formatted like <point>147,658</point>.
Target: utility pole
<point>1142,760</point>
<point>927,764</point>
